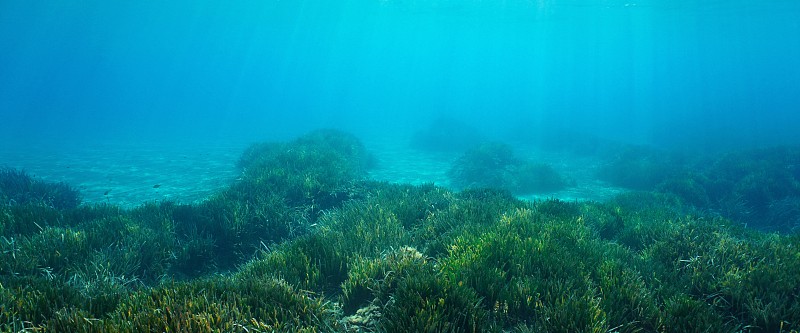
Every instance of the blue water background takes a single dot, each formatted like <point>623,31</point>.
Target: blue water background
<point>707,74</point>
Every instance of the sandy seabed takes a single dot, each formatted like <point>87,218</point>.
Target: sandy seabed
<point>129,174</point>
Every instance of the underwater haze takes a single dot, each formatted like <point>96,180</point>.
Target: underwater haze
<point>400,166</point>
<point>117,97</point>
<point>708,74</point>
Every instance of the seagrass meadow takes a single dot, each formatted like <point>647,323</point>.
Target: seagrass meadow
<point>304,241</point>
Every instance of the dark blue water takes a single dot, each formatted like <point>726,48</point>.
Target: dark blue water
<point>685,73</point>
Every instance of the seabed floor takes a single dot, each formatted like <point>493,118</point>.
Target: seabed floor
<point>129,174</point>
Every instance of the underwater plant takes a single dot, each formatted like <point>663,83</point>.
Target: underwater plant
<point>318,170</point>
<point>641,168</point>
<point>19,188</point>
<point>751,187</point>
<point>494,165</point>
<point>403,291</point>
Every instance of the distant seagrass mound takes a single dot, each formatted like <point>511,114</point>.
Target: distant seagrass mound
<point>494,165</point>
<point>758,188</point>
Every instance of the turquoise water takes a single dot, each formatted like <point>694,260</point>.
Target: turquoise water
<point>676,72</point>
<point>667,132</point>
<point>181,77</point>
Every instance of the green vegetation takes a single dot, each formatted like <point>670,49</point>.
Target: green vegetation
<point>758,188</point>
<point>641,168</point>
<point>494,165</point>
<point>294,246</point>
<point>17,188</point>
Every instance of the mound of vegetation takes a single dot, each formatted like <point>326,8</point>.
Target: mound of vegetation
<point>19,188</point>
<point>494,165</point>
<point>317,168</point>
<point>390,258</point>
<point>759,188</point>
<point>642,168</point>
